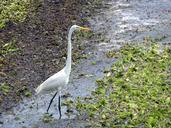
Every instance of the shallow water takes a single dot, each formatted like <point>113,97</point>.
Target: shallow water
<point>123,22</point>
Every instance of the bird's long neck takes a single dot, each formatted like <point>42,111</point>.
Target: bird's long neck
<point>69,59</point>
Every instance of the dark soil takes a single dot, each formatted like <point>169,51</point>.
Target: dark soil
<point>41,39</point>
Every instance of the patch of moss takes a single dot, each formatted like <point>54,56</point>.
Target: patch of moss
<point>24,91</point>
<point>111,54</point>
<point>27,93</point>
<point>47,118</point>
<point>5,88</point>
<point>8,48</point>
<point>94,63</point>
<point>13,10</point>
<point>136,93</point>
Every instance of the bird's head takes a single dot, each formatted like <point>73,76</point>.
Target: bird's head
<point>76,27</point>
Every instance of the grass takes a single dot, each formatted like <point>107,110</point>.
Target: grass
<point>47,118</point>
<point>136,93</point>
<point>5,88</point>
<point>94,63</point>
<point>13,10</point>
<point>7,49</point>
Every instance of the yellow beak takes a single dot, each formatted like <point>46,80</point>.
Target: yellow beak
<point>85,28</point>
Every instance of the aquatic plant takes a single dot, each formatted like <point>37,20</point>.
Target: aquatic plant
<point>136,93</point>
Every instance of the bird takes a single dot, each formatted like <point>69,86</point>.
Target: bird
<point>59,80</point>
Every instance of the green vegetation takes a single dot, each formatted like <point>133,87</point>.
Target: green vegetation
<point>94,63</point>
<point>5,88</point>
<point>7,49</point>
<point>136,93</point>
<point>24,91</point>
<point>27,93</point>
<point>47,118</point>
<point>111,54</point>
<point>13,10</point>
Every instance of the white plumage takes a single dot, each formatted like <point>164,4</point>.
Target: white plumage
<point>54,83</point>
<point>59,80</point>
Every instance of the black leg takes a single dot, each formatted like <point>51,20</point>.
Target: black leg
<point>51,101</point>
<point>59,106</point>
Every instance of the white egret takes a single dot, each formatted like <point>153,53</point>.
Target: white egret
<point>59,80</point>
